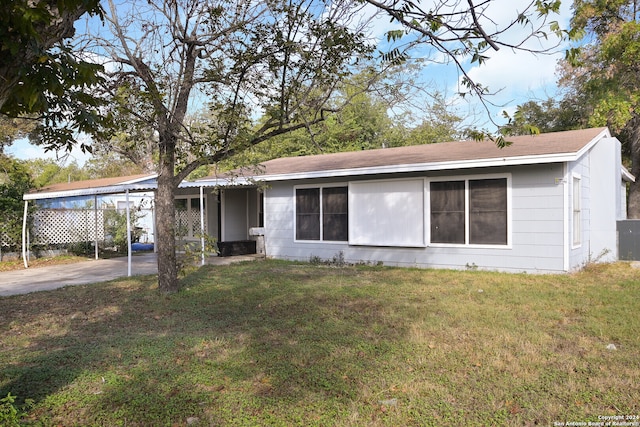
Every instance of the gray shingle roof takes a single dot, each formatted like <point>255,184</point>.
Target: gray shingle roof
<point>530,146</point>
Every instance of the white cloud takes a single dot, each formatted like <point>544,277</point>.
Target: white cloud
<point>22,149</point>
<point>517,75</point>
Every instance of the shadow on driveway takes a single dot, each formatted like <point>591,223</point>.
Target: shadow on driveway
<point>57,276</point>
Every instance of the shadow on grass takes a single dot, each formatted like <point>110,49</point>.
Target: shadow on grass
<point>233,341</point>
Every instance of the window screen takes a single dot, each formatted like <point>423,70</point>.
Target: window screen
<point>471,211</point>
<point>322,214</point>
<point>335,217</point>
<point>447,212</point>
<point>308,214</point>
<point>488,211</point>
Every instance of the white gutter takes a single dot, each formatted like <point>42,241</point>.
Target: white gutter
<point>119,189</point>
<point>627,176</point>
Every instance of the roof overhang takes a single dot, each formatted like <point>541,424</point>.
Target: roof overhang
<point>425,167</point>
<point>149,182</point>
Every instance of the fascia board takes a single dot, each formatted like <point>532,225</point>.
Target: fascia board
<point>142,179</point>
<point>217,182</point>
<point>605,134</point>
<point>122,188</point>
<point>425,167</point>
<point>112,189</point>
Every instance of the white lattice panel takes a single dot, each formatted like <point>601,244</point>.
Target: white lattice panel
<point>5,239</point>
<point>188,223</point>
<point>55,226</point>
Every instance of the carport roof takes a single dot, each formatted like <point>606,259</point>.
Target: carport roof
<point>119,185</point>
<point>90,187</point>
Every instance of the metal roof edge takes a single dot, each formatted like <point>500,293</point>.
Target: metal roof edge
<point>141,179</point>
<point>218,182</point>
<point>111,189</point>
<point>627,176</point>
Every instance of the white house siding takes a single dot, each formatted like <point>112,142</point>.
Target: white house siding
<point>600,175</point>
<point>537,221</point>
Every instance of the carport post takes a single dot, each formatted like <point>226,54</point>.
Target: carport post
<point>24,234</point>
<point>95,216</point>
<point>202,223</point>
<point>153,220</point>
<point>128,235</point>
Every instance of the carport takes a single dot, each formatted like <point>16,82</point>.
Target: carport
<point>123,186</point>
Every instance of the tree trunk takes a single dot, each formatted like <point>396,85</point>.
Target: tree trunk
<point>633,202</point>
<point>165,218</point>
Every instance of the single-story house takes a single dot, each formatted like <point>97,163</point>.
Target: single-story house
<point>546,203</point>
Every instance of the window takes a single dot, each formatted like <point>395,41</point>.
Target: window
<point>260,209</point>
<point>387,213</point>
<point>322,214</point>
<point>577,212</point>
<point>121,206</point>
<point>447,212</point>
<point>473,211</point>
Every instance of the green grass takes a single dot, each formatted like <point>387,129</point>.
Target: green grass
<point>277,343</point>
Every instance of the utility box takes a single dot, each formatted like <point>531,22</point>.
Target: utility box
<point>629,240</point>
<point>257,234</point>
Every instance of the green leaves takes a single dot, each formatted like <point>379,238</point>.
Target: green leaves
<point>546,7</point>
<point>41,75</point>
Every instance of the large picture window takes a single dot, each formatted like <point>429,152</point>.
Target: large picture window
<point>387,213</point>
<point>471,211</point>
<point>322,214</point>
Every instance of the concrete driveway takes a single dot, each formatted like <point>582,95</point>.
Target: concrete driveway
<point>80,273</point>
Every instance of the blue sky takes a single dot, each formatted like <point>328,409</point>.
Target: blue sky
<point>517,76</point>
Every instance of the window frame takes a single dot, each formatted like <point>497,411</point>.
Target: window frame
<point>320,188</point>
<point>576,211</point>
<point>466,179</point>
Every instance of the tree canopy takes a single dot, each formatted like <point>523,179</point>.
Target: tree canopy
<point>279,59</point>
<point>465,33</point>
<point>601,75</point>
<point>15,180</point>
<point>41,74</point>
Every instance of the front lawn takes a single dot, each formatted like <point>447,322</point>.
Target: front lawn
<point>279,344</point>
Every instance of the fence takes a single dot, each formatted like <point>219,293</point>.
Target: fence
<point>62,226</point>
<point>77,229</point>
